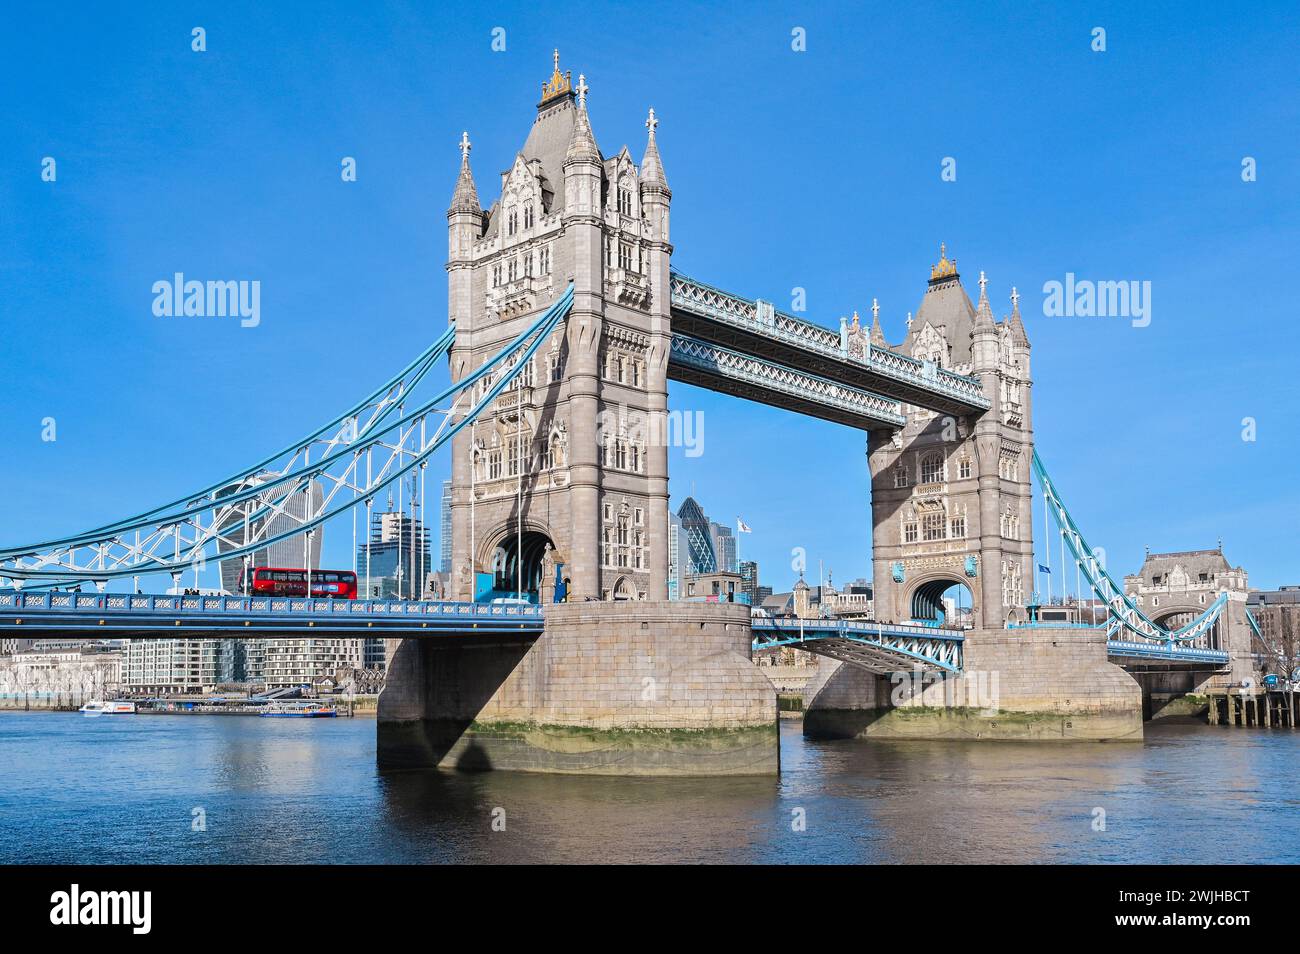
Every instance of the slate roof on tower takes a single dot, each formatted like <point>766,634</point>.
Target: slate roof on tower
<point>947,308</point>
<point>548,142</point>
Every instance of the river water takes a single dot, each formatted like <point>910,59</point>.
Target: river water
<point>194,789</point>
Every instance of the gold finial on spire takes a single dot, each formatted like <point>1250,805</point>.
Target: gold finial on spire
<point>856,323</point>
<point>947,268</point>
<point>560,85</point>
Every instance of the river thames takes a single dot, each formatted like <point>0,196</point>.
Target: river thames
<point>194,789</point>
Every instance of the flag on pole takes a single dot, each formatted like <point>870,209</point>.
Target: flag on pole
<point>742,527</point>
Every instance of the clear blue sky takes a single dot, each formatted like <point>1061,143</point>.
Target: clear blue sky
<point>817,169</point>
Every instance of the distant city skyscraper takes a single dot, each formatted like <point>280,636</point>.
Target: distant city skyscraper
<point>699,541</point>
<point>445,561</point>
<point>290,552</point>
<point>724,547</point>
<point>749,581</point>
<point>676,555</point>
<point>396,560</point>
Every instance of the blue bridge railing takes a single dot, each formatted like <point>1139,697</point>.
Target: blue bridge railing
<point>138,612</point>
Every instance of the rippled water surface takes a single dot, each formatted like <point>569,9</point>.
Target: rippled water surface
<point>125,789</point>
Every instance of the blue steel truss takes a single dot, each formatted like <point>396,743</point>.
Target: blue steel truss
<point>882,648</point>
<point>368,448</point>
<point>771,382</point>
<point>762,320</point>
<point>1125,616</point>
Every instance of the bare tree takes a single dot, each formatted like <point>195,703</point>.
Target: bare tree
<point>1281,652</point>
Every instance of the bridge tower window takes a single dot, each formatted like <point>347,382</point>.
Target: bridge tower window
<point>932,469</point>
<point>963,468</point>
<point>909,531</point>
<point>932,526</point>
<point>900,476</point>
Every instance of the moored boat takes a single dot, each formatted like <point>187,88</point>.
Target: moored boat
<point>290,711</point>
<point>97,707</point>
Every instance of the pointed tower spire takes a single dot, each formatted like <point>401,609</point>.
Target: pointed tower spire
<point>582,144</point>
<point>1018,334</point>
<point>652,168</point>
<point>877,335</point>
<point>984,311</point>
<point>465,198</point>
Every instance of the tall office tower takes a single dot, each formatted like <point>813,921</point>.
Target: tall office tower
<point>724,547</point>
<point>290,552</point>
<point>749,581</point>
<point>675,560</point>
<point>445,562</point>
<point>395,562</point>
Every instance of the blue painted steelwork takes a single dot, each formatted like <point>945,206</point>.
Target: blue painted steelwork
<point>704,364</point>
<point>203,530</point>
<point>1171,652</point>
<point>921,378</point>
<point>383,401</point>
<point>1254,625</point>
<point>1175,652</point>
<point>1124,613</point>
<point>167,616</point>
<point>880,647</point>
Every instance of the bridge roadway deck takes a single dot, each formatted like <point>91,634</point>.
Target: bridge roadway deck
<point>65,613</point>
<point>164,616</point>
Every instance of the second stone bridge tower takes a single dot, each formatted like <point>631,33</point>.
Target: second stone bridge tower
<point>951,496</point>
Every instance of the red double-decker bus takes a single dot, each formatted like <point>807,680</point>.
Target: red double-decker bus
<point>291,581</point>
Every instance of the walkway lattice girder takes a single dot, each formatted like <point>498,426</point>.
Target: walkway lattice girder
<point>756,328</point>
<point>707,365</point>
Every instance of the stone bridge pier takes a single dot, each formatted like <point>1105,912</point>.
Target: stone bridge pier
<point>1042,684</point>
<point>609,688</point>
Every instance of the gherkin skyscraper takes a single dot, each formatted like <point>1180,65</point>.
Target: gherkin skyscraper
<point>699,544</point>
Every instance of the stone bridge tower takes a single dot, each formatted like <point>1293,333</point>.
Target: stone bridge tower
<point>562,477</point>
<point>951,497</point>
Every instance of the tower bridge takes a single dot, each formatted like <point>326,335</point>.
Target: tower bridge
<point>566,322</point>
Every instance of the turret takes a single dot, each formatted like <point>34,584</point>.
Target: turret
<point>877,334</point>
<point>984,334</point>
<point>582,173</point>
<point>464,226</point>
<point>656,199</point>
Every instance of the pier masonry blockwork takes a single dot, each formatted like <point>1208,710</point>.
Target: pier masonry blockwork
<point>1045,684</point>
<point>617,688</point>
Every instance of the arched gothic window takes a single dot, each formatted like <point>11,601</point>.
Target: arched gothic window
<point>932,469</point>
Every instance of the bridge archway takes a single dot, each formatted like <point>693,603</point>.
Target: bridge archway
<point>517,564</point>
<point>944,600</point>
<point>1176,617</point>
